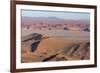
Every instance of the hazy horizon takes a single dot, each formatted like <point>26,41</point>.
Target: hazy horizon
<point>56,14</point>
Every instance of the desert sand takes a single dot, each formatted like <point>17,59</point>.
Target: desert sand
<point>56,49</point>
<point>55,39</point>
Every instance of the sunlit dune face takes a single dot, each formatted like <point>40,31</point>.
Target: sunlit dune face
<point>52,44</point>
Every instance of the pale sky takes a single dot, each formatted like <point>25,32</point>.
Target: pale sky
<point>58,14</point>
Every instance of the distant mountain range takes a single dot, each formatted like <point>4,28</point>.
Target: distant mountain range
<point>52,20</point>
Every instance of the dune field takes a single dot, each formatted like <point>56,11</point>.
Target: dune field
<point>58,46</point>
